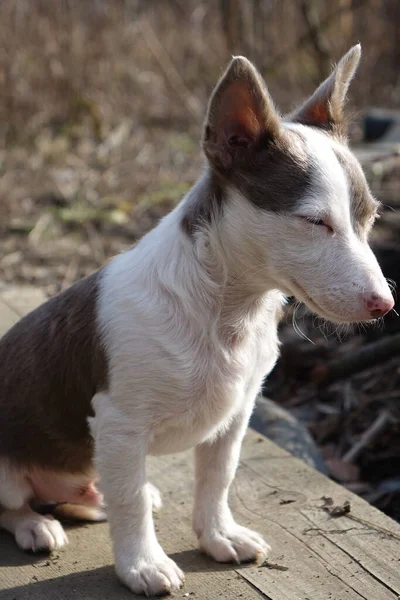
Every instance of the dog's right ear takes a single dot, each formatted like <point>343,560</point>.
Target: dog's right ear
<point>324,109</point>
<point>240,113</point>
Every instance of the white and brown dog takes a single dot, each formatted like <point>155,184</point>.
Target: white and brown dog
<point>166,347</point>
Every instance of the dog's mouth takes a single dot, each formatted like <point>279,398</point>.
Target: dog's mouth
<point>301,294</point>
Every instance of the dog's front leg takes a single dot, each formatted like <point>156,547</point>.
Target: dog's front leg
<point>219,535</point>
<point>120,456</point>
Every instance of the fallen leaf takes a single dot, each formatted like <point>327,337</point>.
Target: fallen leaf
<point>340,511</point>
<point>327,501</point>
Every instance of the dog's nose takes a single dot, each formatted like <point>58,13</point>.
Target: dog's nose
<point>378,306</point>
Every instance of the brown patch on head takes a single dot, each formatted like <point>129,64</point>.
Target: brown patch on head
<point>273,177</point>
<point>247,149</point>
<point>324,109</point>
<point>52,362</point>
<point>363,205</point>
<point>276,175</point>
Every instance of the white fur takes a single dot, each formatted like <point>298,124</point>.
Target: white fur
<point>33,531</point>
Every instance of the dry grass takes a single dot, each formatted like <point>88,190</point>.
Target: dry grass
<point>102,103</point>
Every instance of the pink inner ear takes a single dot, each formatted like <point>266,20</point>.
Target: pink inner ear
<point>238,114</point>
<point>318,114</point>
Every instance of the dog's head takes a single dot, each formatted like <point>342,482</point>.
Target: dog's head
<point>299,201</point>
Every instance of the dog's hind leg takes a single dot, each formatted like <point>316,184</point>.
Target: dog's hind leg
<point>32,531</point>
<point>65,511</point>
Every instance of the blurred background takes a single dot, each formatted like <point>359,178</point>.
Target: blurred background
<point>101,110</point>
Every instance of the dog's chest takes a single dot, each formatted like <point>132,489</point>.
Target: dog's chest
<point>224,381</point>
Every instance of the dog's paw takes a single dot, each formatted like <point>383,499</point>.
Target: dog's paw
<point>156,499</point>
<point>234,544</point>
<point>152,577</point>
<point>39,533</point>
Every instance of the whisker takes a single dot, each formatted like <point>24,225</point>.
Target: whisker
<point>296,326</point>
<point>391,282</point>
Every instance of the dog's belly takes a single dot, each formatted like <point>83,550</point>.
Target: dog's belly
<point>65,487</point>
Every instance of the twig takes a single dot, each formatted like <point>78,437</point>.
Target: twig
<point>281,57</point>
<point>169,69</point>
<point>70,273</point>
<point>38,230</point>
<point>361,359</point>
<point>379,425</point>
<point>311,17</point>
<point>95,243</point>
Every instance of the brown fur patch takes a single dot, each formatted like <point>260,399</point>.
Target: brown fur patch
<point>52,362</point>
<point>273,175</point>
<point>247,147</point>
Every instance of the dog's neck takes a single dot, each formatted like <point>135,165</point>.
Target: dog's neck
<point>246,287</point>
<point>213,264</point>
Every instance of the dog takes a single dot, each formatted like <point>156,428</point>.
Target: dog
<point>166,347</point>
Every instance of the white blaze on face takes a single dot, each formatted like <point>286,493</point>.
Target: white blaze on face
<point>329,193</point>
<point>330,267</point>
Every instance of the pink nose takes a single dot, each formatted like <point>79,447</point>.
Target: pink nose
<point>376,305</point>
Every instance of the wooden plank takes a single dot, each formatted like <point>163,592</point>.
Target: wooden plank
<point>273,493</point>
<point>354,557</point>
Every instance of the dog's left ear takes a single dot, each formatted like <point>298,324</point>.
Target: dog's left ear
<point>240,114</point>
<point>324,108</point>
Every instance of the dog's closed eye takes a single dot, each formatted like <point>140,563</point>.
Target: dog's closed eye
<point>317,221</point>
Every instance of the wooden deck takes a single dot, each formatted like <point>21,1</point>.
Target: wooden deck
<point>314,556</point>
